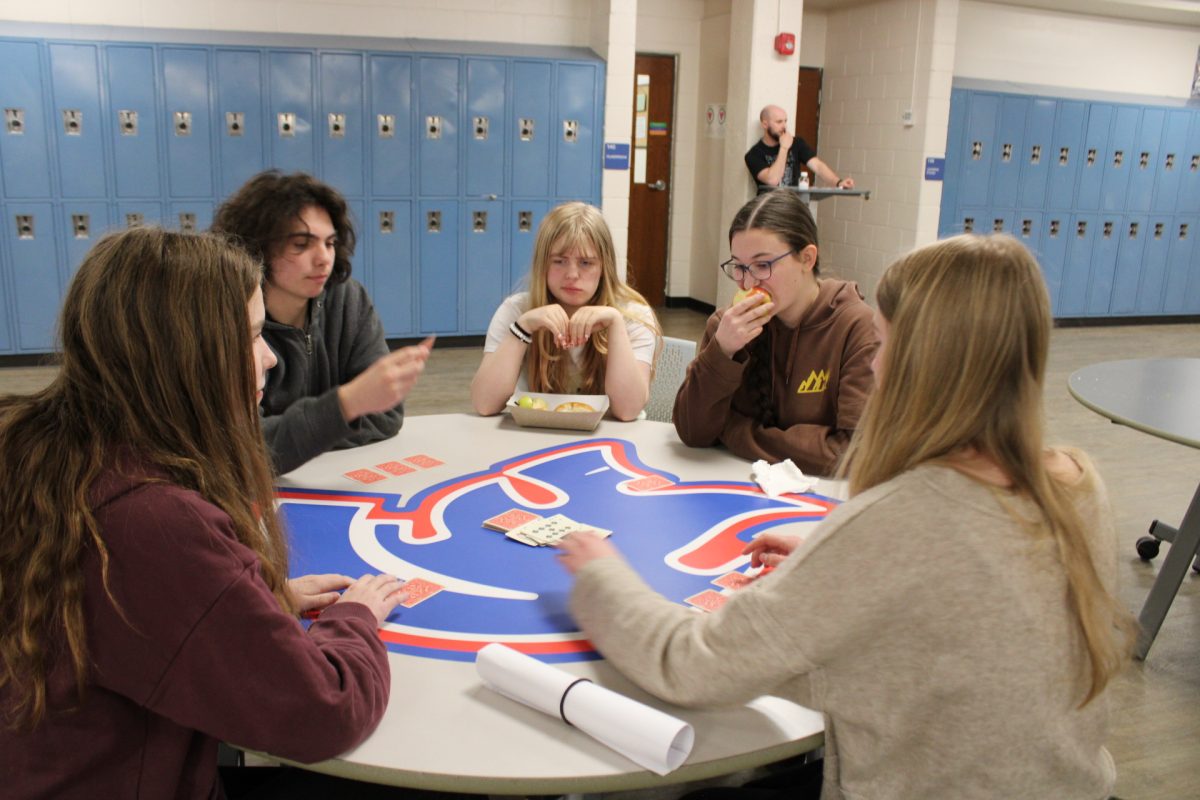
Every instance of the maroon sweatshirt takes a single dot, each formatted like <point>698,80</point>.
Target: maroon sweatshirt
<point>206,655</point>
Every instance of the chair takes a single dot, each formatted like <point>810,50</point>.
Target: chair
<point>668,376</point>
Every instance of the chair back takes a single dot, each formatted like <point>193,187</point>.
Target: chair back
<point>668,376</point>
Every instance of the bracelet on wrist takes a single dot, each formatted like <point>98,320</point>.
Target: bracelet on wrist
<point>519,332</point>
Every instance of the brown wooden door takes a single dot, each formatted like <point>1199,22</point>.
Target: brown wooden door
<point>650,174</point>
<point>808,106</point>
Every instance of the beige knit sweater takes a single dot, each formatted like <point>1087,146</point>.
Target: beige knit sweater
<point>929,627</point>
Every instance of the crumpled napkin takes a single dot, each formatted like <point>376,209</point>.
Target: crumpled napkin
<point>782,478</point>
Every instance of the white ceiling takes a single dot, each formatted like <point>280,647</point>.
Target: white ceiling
<point>1174,12</point>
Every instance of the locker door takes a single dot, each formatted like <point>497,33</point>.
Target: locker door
<point>134,120</point>
<point>979,149</point>
<point>1172,161</point>
<point>484,259</point>
<point>1027,228</point>
<point>1191,303</point>
<point>1180,264</point>
<point>486,79</point>
<point>972,219</point>
<point>1145,159</point>
<point>531,128</point>
<point>1131,244</point>
<point>1104,265</point>
<point>362,251</point>
<point>340,124</point>
<point>524,218</point>
<point>1066,154</point>
<point>33,257</point>
<point>79,132</point>
<point>437,226</point>
<point>133,213</point>
<point>1121,158</point>
<point>1052,255</point>
<point>188,122</point>
<point>1095,150</point>
<point>82,222</point>
<point>576,159</point>
<point>6,338</point>
<point>390,228</point>
<point>1155,248</point>
<point>437,104</point>
<point>1077,264</point>
<point>1007,154</point>
<point>290,110</point>
<point>239,119</point>
<point>1036,155</point>
<point>1189,177</point>
<point>391,132</point>
<point>955,133</point>
<point>190,217</point>
<point>24,146</point>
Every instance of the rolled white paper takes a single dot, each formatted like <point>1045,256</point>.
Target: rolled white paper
<point>644,735</point>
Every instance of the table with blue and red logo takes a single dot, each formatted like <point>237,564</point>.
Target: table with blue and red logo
<point>414,505</point>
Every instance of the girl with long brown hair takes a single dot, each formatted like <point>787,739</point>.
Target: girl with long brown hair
<point>955,620</point>
<point>143,571</point>
<point>579,329</point>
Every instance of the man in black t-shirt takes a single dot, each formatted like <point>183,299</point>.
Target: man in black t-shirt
<point>769,170</point>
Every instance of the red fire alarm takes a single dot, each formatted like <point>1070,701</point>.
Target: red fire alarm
<point>785,44</point>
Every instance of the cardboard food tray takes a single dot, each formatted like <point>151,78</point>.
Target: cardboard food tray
<point>567,420</point>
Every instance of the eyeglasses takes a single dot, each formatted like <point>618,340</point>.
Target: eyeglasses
<point>759,270</point>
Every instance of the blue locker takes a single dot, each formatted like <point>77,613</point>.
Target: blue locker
<point>524,218</point>
<point>576,159</point>
<point>979,149</point>
<point>981,220</point>
<point>1172,161</point>
<point>188,121</point>
<point>391,132</point>
<point>485,128</point>
<point>6,338</point>
<point>1052,254</point>
<point>133,213</point>
<point>1144,160</point>
<point>1131,244</point>
<point>1094,156</point>
<point>437,232</point>
<point>1156,246</point>
<point>1121,158</point>
<point>134,126</point>
<point>82,223</point>
<point>362,252</point>
<point>340,124</point>
<point>239,124</point>
<point>1181,265</point>
<point>1104,265</point>
<point>1036,156</point>
<point>190,217</point>
<point>79,134</point>
<point>290,110</point>
<point>484,258</point>
<point>437,116</point>
<point>532,128</point>
<point>1077,265</point>
<point>1027,228</point>
<point>1189,177</point>
<point>390,234</point>
<point>33,258</point>
<point>1191,303</point>
<point>1066,154</point>
<point>1007,154</point>
<point>24,148</point>
<point>959,100</point>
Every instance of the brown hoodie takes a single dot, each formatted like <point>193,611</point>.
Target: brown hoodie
<point>818,384</point>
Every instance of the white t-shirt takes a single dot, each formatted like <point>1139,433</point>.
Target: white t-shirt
<point>641,336</point>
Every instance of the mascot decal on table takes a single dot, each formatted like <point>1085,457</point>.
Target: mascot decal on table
<point>680,537</point>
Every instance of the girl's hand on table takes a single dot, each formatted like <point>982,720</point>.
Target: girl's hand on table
<point>380,593</point>
<point>770,549</point>
<point>582,548</point>
<point>314,592</point>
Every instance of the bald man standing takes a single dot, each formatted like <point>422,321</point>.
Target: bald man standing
<point>769,169</point>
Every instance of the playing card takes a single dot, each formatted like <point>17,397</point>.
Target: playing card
<point>708,600</point>
<point>424,461</point>
<point>420,590</point>
<point>549,530</point>
<point>733,580</point>
<point>513,518</point>
<point>648,483</point>
<point>395,468</point>
<point>364,476</point>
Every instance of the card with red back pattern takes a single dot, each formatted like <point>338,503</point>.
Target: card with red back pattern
<point>419,590</point>
<point>708,600</point>
<point>365,476</point>
<point>423,461</point>
<point>395,468</point>
<point>733,580</point>
<point>649,483</point>
<point>513,518</point>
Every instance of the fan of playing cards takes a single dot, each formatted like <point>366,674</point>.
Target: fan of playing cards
<point>536,531</point>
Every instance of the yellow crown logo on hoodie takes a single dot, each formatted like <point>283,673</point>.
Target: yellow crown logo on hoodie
<point>815,383</point>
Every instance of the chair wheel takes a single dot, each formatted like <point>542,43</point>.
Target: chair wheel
<point>1147,548</point>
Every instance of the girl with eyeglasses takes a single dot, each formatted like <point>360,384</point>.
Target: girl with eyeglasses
<point>578,329</point>
<point>786,378</point>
